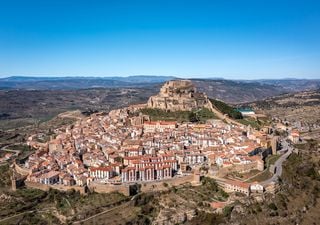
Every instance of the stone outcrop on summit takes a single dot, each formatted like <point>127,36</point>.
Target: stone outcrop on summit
<point>178,95</point>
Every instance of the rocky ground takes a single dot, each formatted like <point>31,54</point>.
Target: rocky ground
<point>301,109</point>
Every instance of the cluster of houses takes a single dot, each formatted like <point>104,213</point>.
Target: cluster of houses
<point>241,187</point>
<point>124,147</point>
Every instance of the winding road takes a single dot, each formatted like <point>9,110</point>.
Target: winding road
<point>6,149</point>
<point>278,164</point>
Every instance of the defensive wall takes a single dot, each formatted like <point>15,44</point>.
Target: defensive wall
<point>107,188</point>
<point>144,186</point>
<point>241,168</point>
<point>46,187</point>
<point>22,171</point>
<point>164,184</point>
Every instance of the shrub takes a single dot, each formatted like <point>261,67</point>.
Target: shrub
<point>227,211</point>
<point>272,206</point>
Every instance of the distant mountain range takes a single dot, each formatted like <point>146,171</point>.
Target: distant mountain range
<point>231,91</point>
<point>239,91</point>
<point>69,83</point>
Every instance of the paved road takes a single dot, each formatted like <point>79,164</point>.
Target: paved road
<point>6,149</point>
<point>278,164</point>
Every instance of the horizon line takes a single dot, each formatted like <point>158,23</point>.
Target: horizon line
<point>149,75</point>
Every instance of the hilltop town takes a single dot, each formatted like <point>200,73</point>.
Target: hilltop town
<point>126,147</point>
<point>186,153</point>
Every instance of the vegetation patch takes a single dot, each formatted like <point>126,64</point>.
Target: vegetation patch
<point>70,205</point>
<point>208,191</point>
<point>205,218</point>
<point>252,122</point>
<point>200,115</point>
<point>272,159</point>
<point>266,174</point>
<point>226,109</point>
<point>4,176</point>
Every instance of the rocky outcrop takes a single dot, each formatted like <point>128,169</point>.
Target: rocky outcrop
<point>181,95</point>
<point>178,95</point>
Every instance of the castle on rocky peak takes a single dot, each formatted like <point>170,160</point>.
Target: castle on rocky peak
<point>178,95</point>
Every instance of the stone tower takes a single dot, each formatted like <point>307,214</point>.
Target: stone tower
<point>274,144</point>
<point>196,177</point>
<point>13,181</point>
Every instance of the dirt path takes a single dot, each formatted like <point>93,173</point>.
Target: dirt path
<point>17,215</point>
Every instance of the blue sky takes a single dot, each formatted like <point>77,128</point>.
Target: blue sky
<point>226,38</point>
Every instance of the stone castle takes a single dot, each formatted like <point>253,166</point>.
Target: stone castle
<point>178,95</point>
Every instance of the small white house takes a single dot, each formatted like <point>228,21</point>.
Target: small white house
<point>256,188</point>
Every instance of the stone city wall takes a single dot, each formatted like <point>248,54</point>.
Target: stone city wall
<point>123,188</point>
<point>46,187</point>
<point>242,168</point>
<point>22,171</point>
<point>107,188</point>
<point>144,186</point>
<point>164,184</point>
